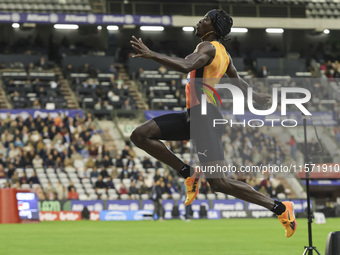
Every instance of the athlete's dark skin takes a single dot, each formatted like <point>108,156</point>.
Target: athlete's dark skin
<point>147,135</point>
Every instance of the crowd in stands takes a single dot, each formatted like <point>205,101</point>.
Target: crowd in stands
<point>66,142</point>
<point>33,86</point>
<point>102,92</point>
<point>158,90</point>
<point>245,147</point>
<point>45,143</point>
<point>74,142</point>
<point>253,147</point>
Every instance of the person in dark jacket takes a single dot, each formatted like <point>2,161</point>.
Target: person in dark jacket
<point>156,196</point>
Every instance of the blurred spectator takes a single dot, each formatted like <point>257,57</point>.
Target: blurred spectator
<point>112,69</point>
<point>68,162</point>
<point>33,179</point>
<point>15,178</point>
<point>49,162</point>
<point>50,192</point>
<point>109,183</point>
<point>40,193</point>
<point>113,97</point>
<point>96,138</point>
<point>59,164</point>
<point>126,105</point>
<point>100,184</point>
<point>123,189</point>
<point>85,68</point>
<point>124,173</point>
<point>70,186</point>
<point>10,169</point>
<point>42,63</point>
<point>143,189</point>
<point>158,164</point>
<point>119,161</point>
<point>204,188</point>
<point>93,151</point>
<point>127,151</point>
<point>90,164</point>
<point>107,106</point>
<point>98,105</point>
<point>134,174</point>
<point>156,196</point>
<point>18,100</point>
<point>60,190</point>
<point>37,162</point>
<point>130,163</point>
<point>267,185</point>
<point>263,72</point>
<point>133,190</point>
<point>72,194</point>
<point>147,163</point>
<point>103,172</point>
<point>120,81</point>
<point>293,147</point>
<point>94,173</point>
<point>68,70</point>
<point>157,176</point>
<point>13,151</point>
<point>2,172</point>
<point>36,104</point>
<point>170,189</point>
<point>17,185</point>
<point>107,161</point>
<point>23,179</point>
<point>162,69</point>
<point>114,173</point>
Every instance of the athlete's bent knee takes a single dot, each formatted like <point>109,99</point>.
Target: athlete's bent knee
<point>137,137</point>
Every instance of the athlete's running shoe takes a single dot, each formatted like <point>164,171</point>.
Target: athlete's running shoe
<point>192,184</point>
<point>288,219</point>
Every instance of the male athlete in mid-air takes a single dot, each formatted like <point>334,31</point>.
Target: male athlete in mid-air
<point>210,60</point>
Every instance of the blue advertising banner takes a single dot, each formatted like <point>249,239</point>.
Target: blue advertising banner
<point>324,182</point>
<point>255,207</point>
<point>147,205</point>
<point>250,119</point>
<point>92,205</point>
<point>122,205</point>
<point>24,113</point>
<point>213,215</point>
<point>228,205</point>
<point>86,19</point>
<point>300,205</point>
<point>168,204</point>
<point>125,215</point>
<point>196,204</point>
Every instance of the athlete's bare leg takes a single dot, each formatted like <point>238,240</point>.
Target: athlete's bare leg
<point>221,183</point>
<point>146,138</point>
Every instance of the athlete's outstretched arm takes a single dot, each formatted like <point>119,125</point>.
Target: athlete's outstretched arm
<point>203,55</point>
<point>236,80</point>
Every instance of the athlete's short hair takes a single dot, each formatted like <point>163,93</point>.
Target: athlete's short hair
<point>221,21</point>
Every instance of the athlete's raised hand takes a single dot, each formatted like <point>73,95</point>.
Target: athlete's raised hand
<point>140,47</point>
